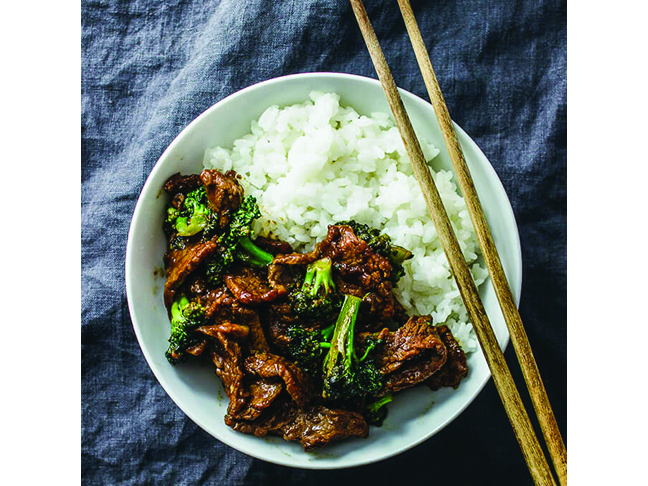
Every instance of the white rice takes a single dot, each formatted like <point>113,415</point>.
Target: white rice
<point>316,163</point>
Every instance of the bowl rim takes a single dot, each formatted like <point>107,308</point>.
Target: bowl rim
<point>147,188</point>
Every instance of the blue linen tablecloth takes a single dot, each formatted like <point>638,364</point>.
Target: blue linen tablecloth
<point>149,68</point>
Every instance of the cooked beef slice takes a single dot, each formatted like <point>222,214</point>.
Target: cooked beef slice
<point>455,367</point>
<point>223,192</point>
<point>262,392</point>
<point>296,382</point>
<point>282,277</point>
<point>273,246</point>
<point>278,317</point>
<point>409,355</point>
<point>227,356</point>
<point>179,184</point>
<point>234,331</point>
<point>407,343</point>
<point>314,426</point>
<point>249,395</point>
<point>180,263</point>
<point>221,307</point>
<point>414,371</point>
<point>197,349</point>
<point>250,285</point>
<point>317,426</point>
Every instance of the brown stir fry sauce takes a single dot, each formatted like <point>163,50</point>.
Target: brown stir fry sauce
<point>239,313</point>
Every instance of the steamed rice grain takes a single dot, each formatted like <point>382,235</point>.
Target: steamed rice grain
<point>316,163</point>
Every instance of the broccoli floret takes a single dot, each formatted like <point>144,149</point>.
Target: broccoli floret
<point>242,219</point>
<point>306,346</point>
<point>169,222</point>
<point>347,377</point>
<point>381,244</point>
<point>176,241</point>
<point>192,217</point>
<point>235,243</point>
<point>195,213</point>
<point>317,298</point>
<point>185,317</point>
<point>216,266</point>
<point>375,411</point>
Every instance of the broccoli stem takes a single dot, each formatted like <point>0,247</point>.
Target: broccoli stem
<point>342,343</point>
<point>327,333</point>
<point>317,274</point>
<point>370,347</point>
<point>317,298</point>
<point>376,411</point>
<point>382,401</point>
<point>252,254</point>
<point>398,254</point>
<point>345,376</point>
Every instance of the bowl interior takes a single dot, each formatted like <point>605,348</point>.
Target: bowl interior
<point>416,414</point>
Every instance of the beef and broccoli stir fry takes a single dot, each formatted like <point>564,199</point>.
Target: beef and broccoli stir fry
<point>309,346</point>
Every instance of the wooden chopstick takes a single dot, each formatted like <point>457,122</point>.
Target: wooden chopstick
<point>536,388</point>
<point>502,378</point>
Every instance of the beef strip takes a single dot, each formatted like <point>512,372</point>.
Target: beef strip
<point>273,246</point>
<point>262,392</point>
<point>227,355</point>
<point>197,349</point>
<point>409,355</point>
<point>408,342</point>
<point>414,372</point>
<point>455,367</point>
<point>248,395</point>
<point>361,272</point>
<point>223,192</point>
<point>179,184</point>
<point>218,303</point>
<point>317,426</point>
<point>314,426</point>
<point>281,276</point>
<point>222,307</point>
<point>235,331</point>
<point>268,365</point>
<point>257,340</point>
<point>278,318</point>
<point>252,381</point>
<point>180,263</point>
<point>250,285</point>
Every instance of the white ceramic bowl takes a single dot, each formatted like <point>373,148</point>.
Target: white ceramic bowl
<point>416,414</point>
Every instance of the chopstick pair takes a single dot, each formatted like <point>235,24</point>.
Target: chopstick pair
<point>506,388</point>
